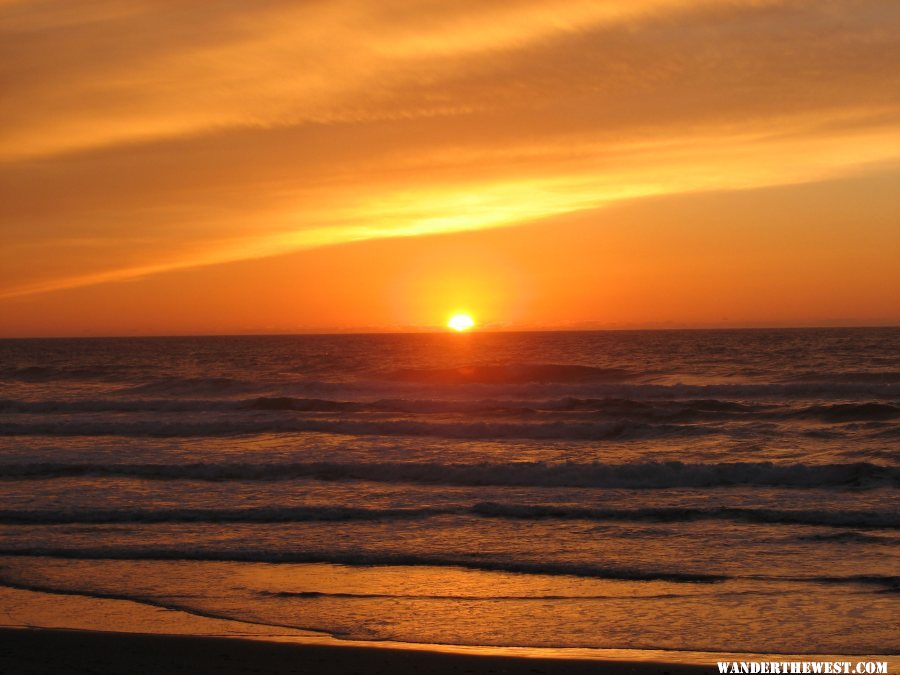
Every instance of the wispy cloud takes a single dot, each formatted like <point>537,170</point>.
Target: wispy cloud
<point>141,137</point>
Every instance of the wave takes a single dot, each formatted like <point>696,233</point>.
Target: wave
<point>587,389</point>
<point>848,538</point>
<point>890,432</point>
<point>518,382</point>
<point>235,425</point>
<point>112,405</point>
<point>846,412</point>
<point>842,519</point>
<point>622,399</point>
<point>884,376</point>
<point>247,515</point>
<point>193,386</point>
<point>507,374</point>
<point>513,373</point>
<point>273,403</point>
<point>666,410</point>
<point>648,475</point>
<point>363,558</point>
<point>857,519</point>
<point>147,600</point>
<point>317,595</point>
<point>38,374</point>
<point>617,407</point>
<point>890,584</point>
<point>308,405</point>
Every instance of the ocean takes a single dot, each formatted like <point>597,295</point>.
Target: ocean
<point>721,490</point>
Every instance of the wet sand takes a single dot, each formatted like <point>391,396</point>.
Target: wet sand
<point>33,651</point>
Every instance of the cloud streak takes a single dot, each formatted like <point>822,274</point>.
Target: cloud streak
<point>146,137</point>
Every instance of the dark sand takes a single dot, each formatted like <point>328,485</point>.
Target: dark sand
<point>27,651</point>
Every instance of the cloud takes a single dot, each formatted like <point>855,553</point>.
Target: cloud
<point>115,72</point>
<point>111,72</point>
<point>141,137</point>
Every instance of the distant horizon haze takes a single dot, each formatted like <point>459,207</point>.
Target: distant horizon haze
<point>439,330</point>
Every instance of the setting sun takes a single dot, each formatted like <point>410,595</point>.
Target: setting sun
<point>461,322</point>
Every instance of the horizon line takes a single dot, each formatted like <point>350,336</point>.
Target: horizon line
<point>444,331</point>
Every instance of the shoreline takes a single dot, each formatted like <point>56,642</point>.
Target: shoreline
<point>39,650</point>
<point>69,612</point>
<point>61,633</point>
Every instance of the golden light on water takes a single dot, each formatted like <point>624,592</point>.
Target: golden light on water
<point>461,322</point>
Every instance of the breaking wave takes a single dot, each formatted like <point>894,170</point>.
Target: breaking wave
<point>624,385</point>
<point>842,519</point>
<point>355,557</point>
<point>846,412</point>
<point>38,374</point>
<point>514,373</point>
<point>847,376</point>
<point>236,425</point>
<point>365,558</point>
<point>192,386</point>
<point>858,519</point>
<point>687,410</point>
<point>315,595</point>
<point>848,538</point>
<point>646,475</point>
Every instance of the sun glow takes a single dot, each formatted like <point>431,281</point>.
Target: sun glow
<point>461,322</point>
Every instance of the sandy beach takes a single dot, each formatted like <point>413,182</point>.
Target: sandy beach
<point>29,652</point>
<point>57,633</point>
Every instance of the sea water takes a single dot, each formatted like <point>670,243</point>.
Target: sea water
<point>676,490</point>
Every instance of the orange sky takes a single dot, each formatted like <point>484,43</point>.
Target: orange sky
<point>194,167</point>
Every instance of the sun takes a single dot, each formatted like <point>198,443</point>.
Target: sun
<point>461,322</point>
